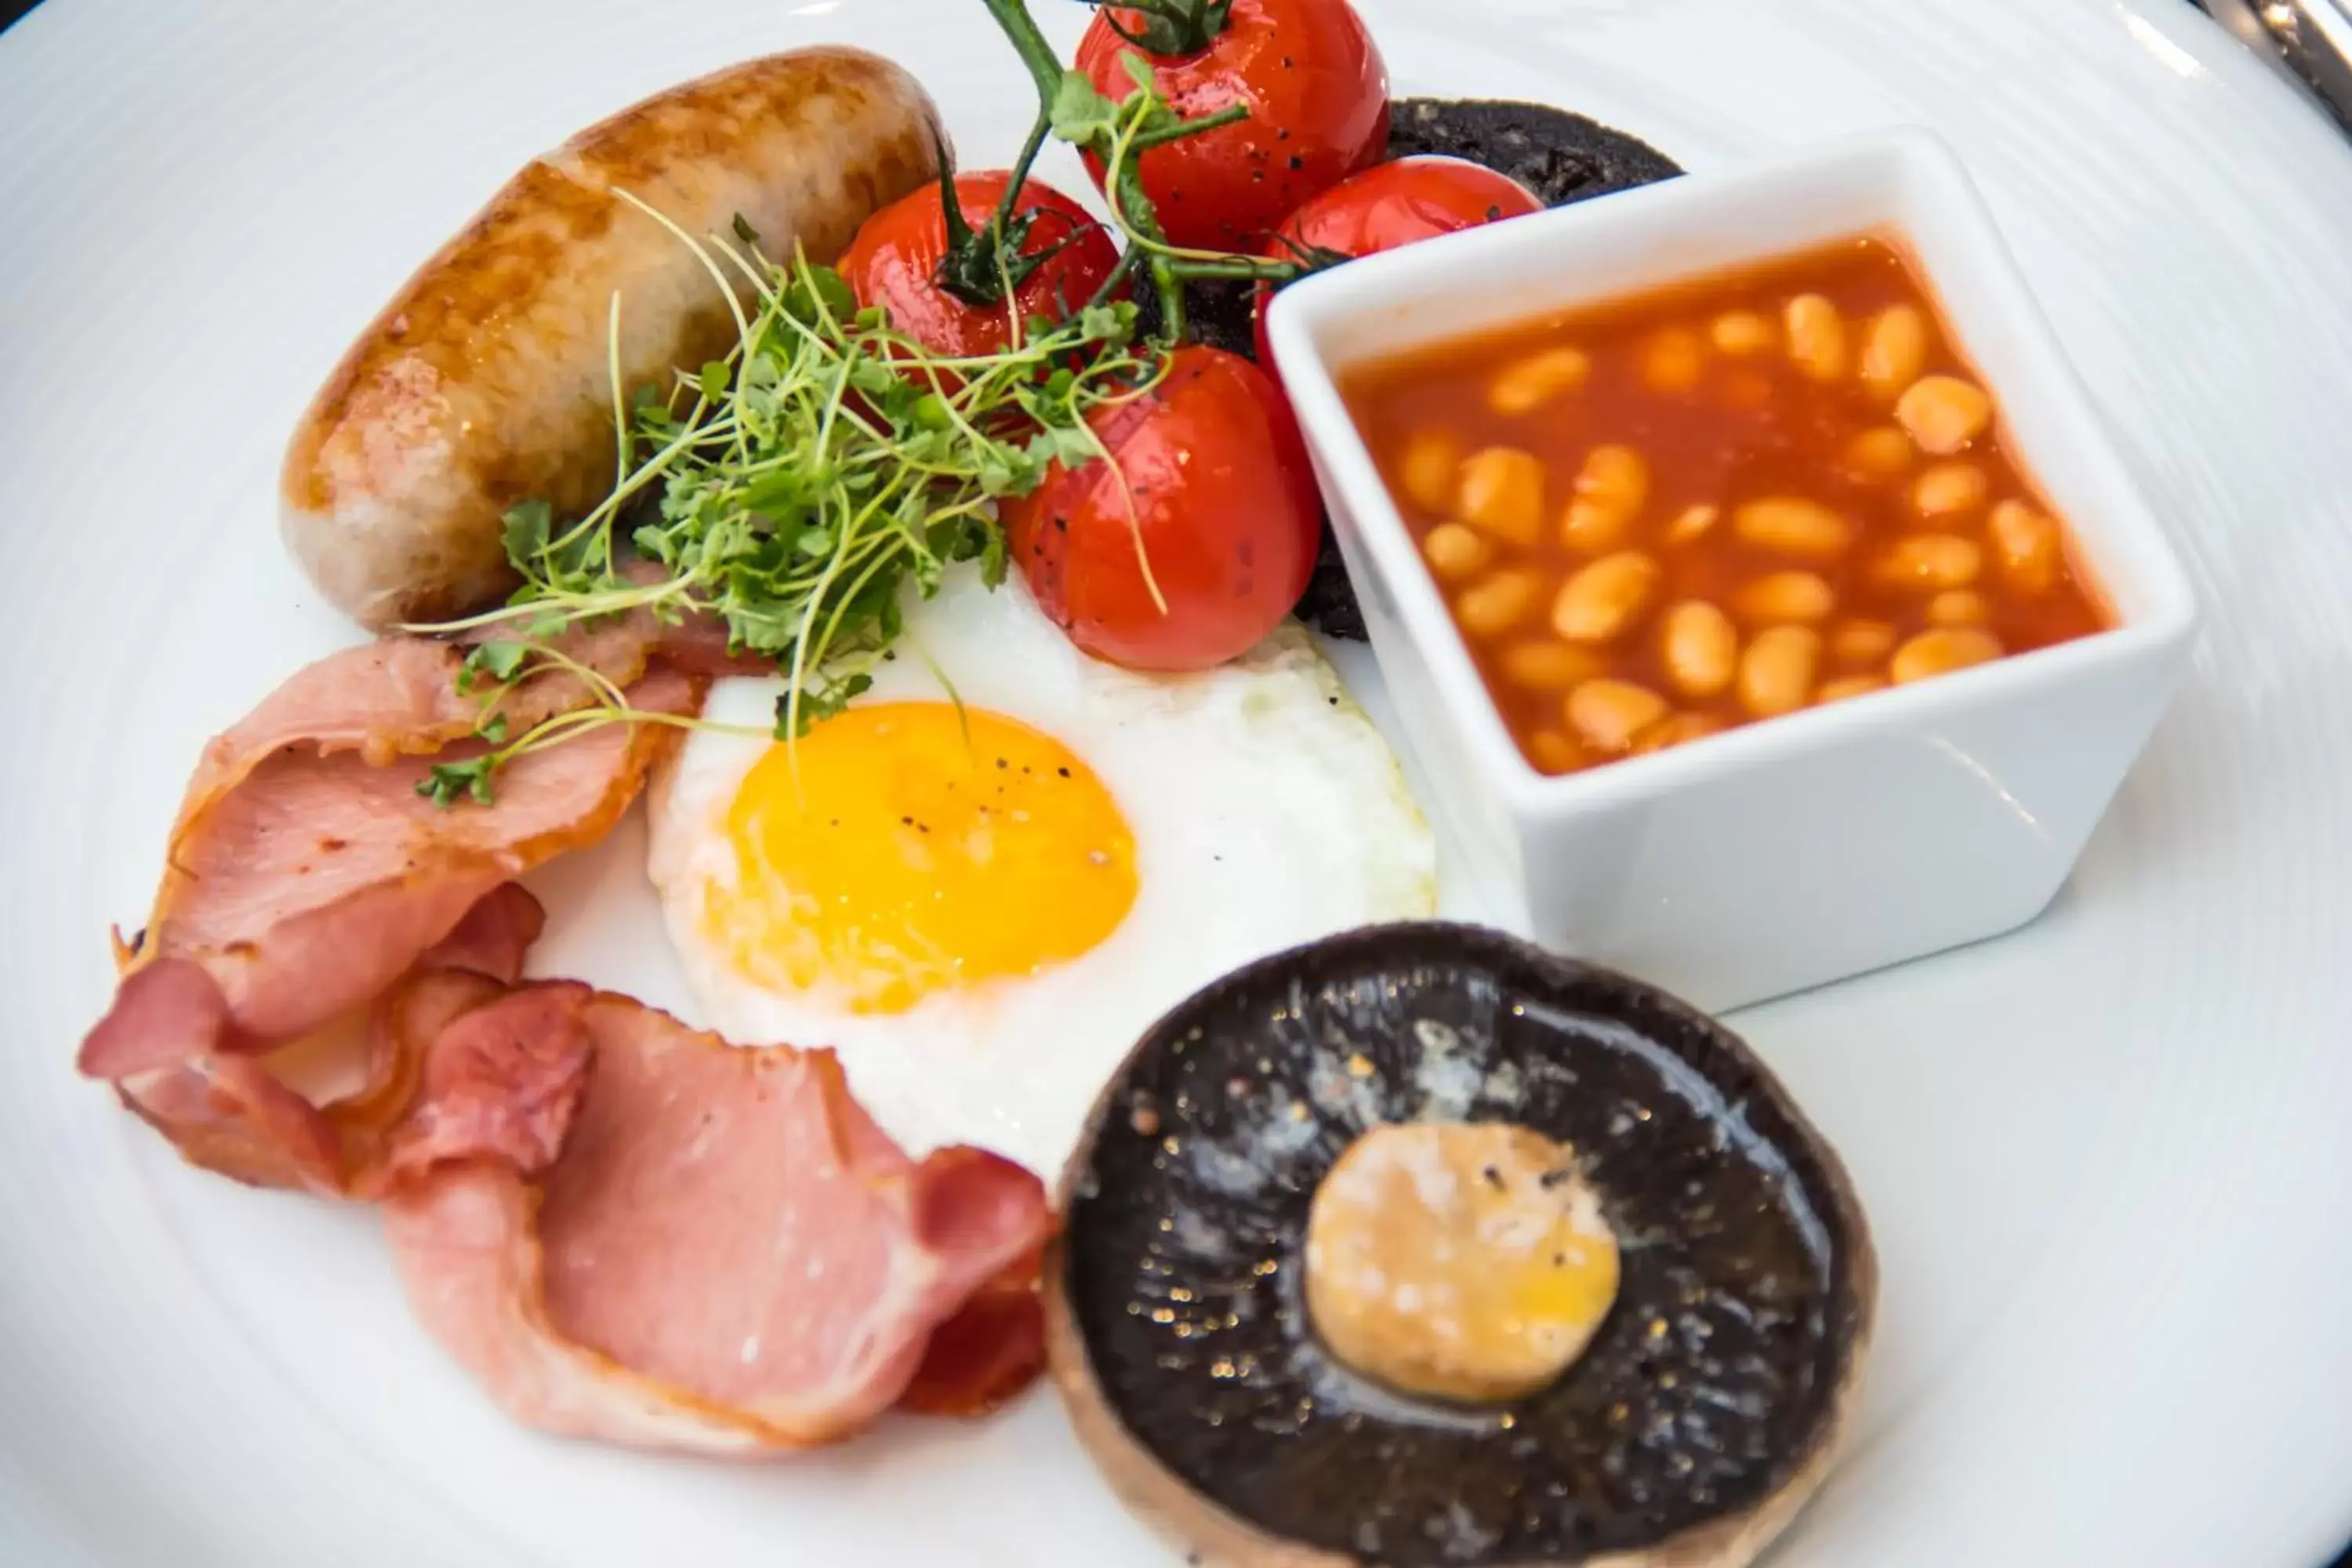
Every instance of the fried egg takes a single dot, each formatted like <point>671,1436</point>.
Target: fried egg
<point>987,876</point>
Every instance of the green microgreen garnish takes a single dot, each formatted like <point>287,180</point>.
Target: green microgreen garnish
<point>492,670</point>
<point>802,482</point>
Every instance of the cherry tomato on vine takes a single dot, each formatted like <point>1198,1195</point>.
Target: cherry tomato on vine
<point>1391,205</point>
<point>1212,489</point>
<point>1307,71</point>
<point>1062,257</point>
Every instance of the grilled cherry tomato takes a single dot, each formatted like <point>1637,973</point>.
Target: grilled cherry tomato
<point>1316,92</point>
<point>1217,497</point>
<point>1062,258</point>
<point>1391,205</point>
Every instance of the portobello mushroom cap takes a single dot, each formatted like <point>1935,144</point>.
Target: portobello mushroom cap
<point>1709,1403</point>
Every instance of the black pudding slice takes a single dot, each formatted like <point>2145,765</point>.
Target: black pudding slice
<point>1559,156</point>
<point>1709,1401</point>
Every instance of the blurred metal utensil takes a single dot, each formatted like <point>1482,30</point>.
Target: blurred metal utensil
<point>2310,42</point>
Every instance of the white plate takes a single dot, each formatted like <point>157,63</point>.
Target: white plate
<point>2104,1156</point>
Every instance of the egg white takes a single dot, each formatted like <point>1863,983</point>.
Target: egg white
<point>1267,811</point>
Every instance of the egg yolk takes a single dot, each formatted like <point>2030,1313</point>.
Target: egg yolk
<point>1468,1261</point>
<point>911,846</point>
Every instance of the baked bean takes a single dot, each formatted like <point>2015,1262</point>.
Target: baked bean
<point>1958,607</point>
<point>1495,605</point>
<point>1701,648</point>
<point>1742,332</point>
<point>1945,491</point>
<point>1675,730</point>
<point>1930,562</point>
<point>1879,453</point>
<point>1943,413</point>
<point>1587,526</point>
<point>1611,488</point>
<point>1555,753</point>
<point>1862,642</point>
<point>1430,469</point>
<point>1941,650</point>
<point>1502,494</point>
<point>1608,713</point>
<point>1847,686</point>
<point>1791,525</point>
<point>1529,382</point>
<point>1776,673</point>
<point>1816,336</point>
<point>1692,523</point>
<point>1674,360</point>
<point>1454,552</point>
<point>1603,599</point>
<point>1784,596</point>
<point>1893,351</point>
<point>1547,665</point>
<point>1695,507</point>
<point>2028,544</point>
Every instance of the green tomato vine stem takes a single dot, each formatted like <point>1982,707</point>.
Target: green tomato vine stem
<point>1141,123</point>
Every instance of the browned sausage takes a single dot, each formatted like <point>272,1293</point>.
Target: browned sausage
<point>484,381</point>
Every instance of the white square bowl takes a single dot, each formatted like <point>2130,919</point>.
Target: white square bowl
<point>1799,851</point>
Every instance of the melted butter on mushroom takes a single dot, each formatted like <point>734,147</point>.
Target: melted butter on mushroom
<point>1461,1261</point>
